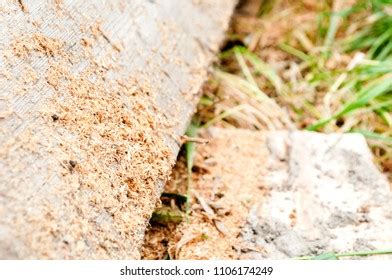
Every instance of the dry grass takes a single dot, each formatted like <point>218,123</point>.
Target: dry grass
<point>307,65</point>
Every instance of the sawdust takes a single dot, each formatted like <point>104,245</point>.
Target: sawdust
<point>156,242</point>
<point>225,185</point>
<point>127,155</point>
<point>110,142</point>
<point>23,6</point>
<point>58,3</point>
<point>23,46</point>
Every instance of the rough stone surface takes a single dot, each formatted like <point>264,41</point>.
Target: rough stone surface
<point>326,195</point>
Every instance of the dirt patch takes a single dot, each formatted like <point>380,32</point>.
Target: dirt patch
<point>225,184</point>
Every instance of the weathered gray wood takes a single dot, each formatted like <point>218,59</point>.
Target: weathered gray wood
<point>93,97</point>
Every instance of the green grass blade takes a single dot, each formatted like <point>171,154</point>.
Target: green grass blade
<point>190,148</point>
<point>264,69</point>
<point>295,52</point>
<point>373,135</point>
<point>244,68</point>
<point>376,88</point>
<point>224,115</point>
<point>365,253</point>
<point>336,256</point>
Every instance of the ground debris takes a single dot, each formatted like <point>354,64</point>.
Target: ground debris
<point>283,195</point>
<point>222,192</point>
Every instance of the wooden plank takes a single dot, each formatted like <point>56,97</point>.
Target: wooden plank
<point>94,95</point>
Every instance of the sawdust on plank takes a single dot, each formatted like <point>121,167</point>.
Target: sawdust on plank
<point>25,45</point>
<point>109,141</point>
<point>23,6</point>
<point>58,3</point>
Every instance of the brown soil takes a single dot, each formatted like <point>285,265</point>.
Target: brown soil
<point>225,185</point>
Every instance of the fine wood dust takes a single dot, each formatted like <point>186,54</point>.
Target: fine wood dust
<point>25,45</point>
<point>119,143</point>
<point>23,6</point>
<point>107,135</point>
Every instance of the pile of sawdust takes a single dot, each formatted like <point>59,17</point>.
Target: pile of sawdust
<point>108,135</point>
<point>23,46</point>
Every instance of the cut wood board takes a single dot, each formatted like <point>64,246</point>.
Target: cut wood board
<point>93,98</point>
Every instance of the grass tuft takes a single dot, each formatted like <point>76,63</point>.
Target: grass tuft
<point>330,71</point>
